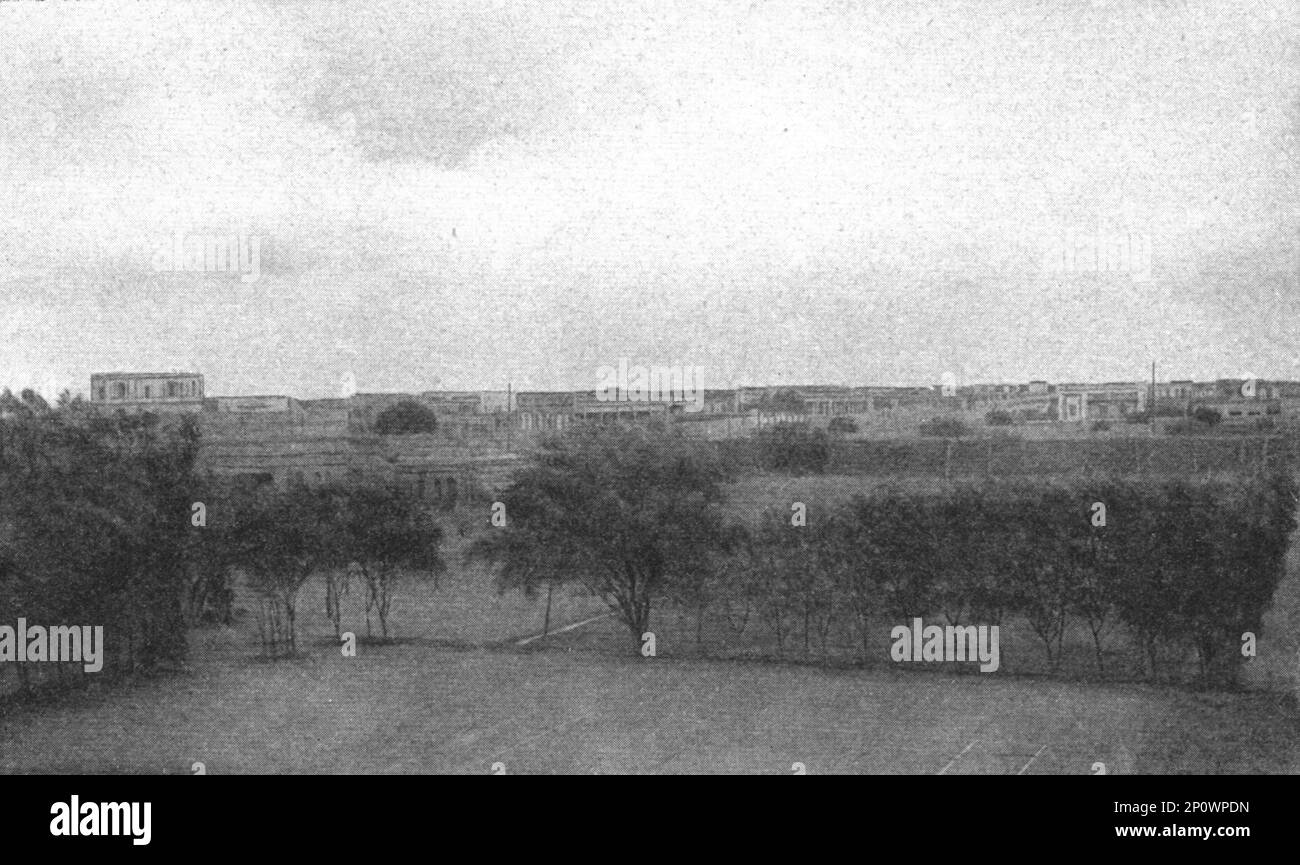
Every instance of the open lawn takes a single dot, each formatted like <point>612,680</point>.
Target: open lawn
<point>427,709</point>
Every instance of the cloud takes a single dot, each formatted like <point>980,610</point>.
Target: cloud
<point>437,176</point>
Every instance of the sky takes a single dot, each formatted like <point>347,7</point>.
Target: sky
<point>461,195</point>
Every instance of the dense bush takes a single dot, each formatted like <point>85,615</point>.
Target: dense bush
<point>943,427</point>
<point>842,425</point>
<point>1007,456</point>
<point>1207,415</point>
<point>407,417</point>
<point>94,526</point>
<point>793,447</point>
<point>999,417</point>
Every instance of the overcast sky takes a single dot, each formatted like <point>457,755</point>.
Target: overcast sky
<point>458,195</point>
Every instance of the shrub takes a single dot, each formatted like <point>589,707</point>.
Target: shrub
<point>943,427</point>
<point>794,447</point>
<point>842,425</point>
<point>1207,415</point>
<point>407,417</point>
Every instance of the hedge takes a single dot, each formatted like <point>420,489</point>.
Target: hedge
<point>1179,563</point>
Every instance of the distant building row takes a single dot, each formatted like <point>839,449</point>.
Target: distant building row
<point>469,414</point>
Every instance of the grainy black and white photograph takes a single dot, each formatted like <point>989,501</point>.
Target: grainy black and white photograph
<point>649,388</point>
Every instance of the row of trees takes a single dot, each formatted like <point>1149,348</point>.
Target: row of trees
<point>636,516</point>
<point>1178,563</point>
<point>278,539</point>
<point>104,520</point>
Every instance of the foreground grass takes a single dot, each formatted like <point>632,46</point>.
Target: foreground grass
<point>429,709</point>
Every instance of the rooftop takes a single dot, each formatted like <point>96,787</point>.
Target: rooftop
<point>144,374</point>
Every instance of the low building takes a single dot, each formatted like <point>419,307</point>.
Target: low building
<point>1248,413</point>
<point>1107,401</point>
<point>251,404</point>
<point>147,391</point>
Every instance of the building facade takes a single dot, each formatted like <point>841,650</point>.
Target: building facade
<point>148,391</point>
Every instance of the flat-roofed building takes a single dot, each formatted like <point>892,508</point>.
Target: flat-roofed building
<point>147,391</point>
<point>252,404</point>
<point>1111,400</point>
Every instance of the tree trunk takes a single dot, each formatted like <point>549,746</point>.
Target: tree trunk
<point>546,622</point>
<point>865,634</point>
<point>807,615</point>
<point>1096,643</point>
<point>1149,643</point>
<point>385,603</point>
<point>332,607</point>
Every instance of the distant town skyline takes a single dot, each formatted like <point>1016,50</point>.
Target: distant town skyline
<point>349,386</point>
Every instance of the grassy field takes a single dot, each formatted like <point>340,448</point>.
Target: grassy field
<point>1010,454</point>
<point>428,709</point>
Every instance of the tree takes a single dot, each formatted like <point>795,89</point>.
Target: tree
<point>633,514</point>
<point>898,560</point>
<point>280,538</point>
<point>999,417</point>
<point>846,556</point>
<point>93,516</point>
<point>1095,585</point>
<point>1044,564</point>
<point>406,417</point>
<point>389,534</point>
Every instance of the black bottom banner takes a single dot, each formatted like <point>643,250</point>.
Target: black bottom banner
<point>138,815</point>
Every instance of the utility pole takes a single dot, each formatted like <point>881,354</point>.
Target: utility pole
<point>1152,408</point>
<point>509,422</point>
